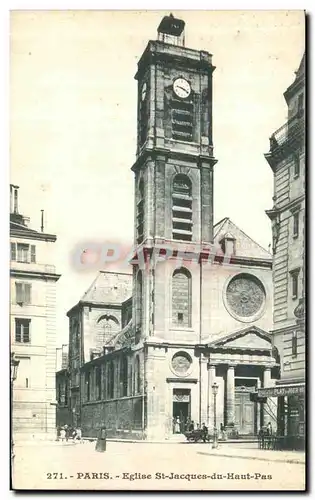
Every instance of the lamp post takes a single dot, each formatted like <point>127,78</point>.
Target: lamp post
<point>14,368</point>
<point>215,389</point>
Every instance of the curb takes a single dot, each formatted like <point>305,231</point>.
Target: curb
<point>42,443</point>
<point>165,441</point>
<point>253,457</point>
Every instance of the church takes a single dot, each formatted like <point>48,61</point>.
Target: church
<point>196,309</point>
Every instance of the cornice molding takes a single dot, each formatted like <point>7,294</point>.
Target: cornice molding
<point>34,274</point>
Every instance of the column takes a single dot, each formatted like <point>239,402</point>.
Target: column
<point>267,383</point>
<point>211,379</point>
<point>230,396</point>
<point>204,390</point>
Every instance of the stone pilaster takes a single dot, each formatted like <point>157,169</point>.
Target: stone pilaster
<point>211,380</point>
<point>267,383</point>
<point>230,396</point>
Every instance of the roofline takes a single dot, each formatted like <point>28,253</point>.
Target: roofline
<point>95,304</point>
<point>114,272</point>
<point>31,234</point>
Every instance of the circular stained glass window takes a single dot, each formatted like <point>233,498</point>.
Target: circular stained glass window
<point>245,295</point>
<point>181,363</point>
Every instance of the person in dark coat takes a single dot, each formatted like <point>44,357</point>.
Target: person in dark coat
<point>191,426</point>
<point>101,440</point>
<point>204,430</point>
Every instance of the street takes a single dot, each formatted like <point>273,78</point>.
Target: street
<point>142,466</point>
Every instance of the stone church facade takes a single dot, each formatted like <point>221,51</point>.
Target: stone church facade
<point>199,300</point>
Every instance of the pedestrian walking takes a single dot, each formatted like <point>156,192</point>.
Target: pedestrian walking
<point>269,435</point>
<point>66,428</point>
<point>62,434</point>
<point>177,425</point>
<point>101,440</point>
<point>204,430</point>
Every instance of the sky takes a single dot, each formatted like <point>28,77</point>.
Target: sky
<point>73,120</point>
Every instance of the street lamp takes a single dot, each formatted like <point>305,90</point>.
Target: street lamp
<point>14,368</point>
<point>215,389</point>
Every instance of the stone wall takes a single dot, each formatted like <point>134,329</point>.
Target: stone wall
<point>122,417</point>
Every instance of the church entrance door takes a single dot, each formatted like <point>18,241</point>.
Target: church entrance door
<point>245,413</point>
<point>181,409</point>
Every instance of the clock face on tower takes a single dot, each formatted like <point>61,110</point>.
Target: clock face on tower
<point>182,88</point>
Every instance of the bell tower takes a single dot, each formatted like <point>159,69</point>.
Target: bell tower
<point>174,159</point>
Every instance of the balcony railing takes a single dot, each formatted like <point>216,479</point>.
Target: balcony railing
<point>290,131</point>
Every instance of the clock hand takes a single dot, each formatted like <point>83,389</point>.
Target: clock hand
<point>182,88</point>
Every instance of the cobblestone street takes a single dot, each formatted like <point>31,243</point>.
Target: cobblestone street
<point>132,466</point>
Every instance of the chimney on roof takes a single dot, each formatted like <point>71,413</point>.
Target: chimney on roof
<point>42,221</point>
<point>14,199</point>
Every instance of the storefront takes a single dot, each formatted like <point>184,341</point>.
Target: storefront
<point>291,413</point>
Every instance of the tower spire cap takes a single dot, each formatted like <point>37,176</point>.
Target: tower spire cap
<point>171,25</point>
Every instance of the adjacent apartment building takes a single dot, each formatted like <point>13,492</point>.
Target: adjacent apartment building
<point>33,281</point>
<point>286,158</point>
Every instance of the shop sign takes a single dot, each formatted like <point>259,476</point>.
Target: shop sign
<point>270,392</point>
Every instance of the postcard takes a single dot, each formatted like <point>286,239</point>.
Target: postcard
<point>157,238</point>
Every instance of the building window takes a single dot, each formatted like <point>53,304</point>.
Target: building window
<point>140,213</point>
<point>23,293</point>
<point>139,299</point>
<point>296,220</point>
<point>182,113</point>
<point>23,373</point>
<point>123,376</point>
<point>182,208</point>
<point>137,376</point>
<point>181,297</point>
<point>110,380</point>
<point>296,165</point>
<point>22,252</point>
<point>22,330</point>
<point>88,385</point>
<point>294,344</point>
<point>107,327</point>
<point>295,283</point>
<point>98,380</point>
<point>144,112</point>
<point>300,105</point>
<point>13,251</point>
<point>66,393</point>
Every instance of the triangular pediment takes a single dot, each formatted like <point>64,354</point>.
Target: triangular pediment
<point>244,246</point>
<point>248,338</point>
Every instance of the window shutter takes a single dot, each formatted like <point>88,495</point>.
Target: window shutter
<point>18,293</point>
<point>26,331</point>
<point>13,251</point>
<point>18,331</point>
<point>27,293</point>
<point>33,253</point>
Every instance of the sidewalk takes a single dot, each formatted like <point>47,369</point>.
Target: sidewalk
<point>42,442</point>
<point>292,457</point>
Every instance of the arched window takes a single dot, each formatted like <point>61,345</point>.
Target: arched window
<point>137,375</point>
<point>182,208</point>
<point>123,376</point>
<point>110,380</point>
<point>181,298</point>
<point>107,327</point>
<point>140,212</point>
<point>139,300</point>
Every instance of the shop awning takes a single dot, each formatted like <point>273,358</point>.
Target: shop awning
<point>281,390</point>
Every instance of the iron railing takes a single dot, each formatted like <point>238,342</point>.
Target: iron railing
<point>288,132</point>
